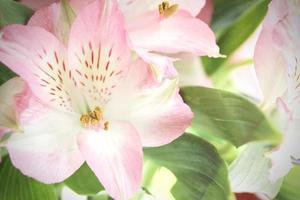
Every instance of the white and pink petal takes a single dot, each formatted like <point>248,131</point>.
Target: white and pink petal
<point>46,147</point>
<point>8,91</point>
<point>180,32</point>
<point>159,114</point>
<point>40,59</point>
<point>98,52</point>
<point>115,155</point>
<point>133,9</point>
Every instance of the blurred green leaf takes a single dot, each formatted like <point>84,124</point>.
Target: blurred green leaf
<point>16,186</point>
<point>233,22</point>
<point>84,182</point>
<point>12,12</point>
<point>290,189</point>
<point>250,171</point>
<point>201,173</point>
<point>99,197</point>
<point>226,115</point>
<point>5,74</point>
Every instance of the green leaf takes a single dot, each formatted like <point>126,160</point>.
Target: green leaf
<point>12,12</point>
<point>233,22</point>
<point>290,189</point>
<point>16,186</point>
<point>250,171</point>
<point>226,115</point>
<point>201,173</point>
<point>103,196</point>
<point>5,74</point>
<point>84,181</point>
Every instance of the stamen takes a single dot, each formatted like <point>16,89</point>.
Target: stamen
<point>85,120</point>
<point>94,119</point>
<point>106,126</point>
<point>166,10</point>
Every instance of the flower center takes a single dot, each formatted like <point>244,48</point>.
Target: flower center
<point>94,119</point>
<point>166,10</point>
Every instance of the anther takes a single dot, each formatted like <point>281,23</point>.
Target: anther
<point>94,118</point>
<point>106,126</point>
<point>166,10</point>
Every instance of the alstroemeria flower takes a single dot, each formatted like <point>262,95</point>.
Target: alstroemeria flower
<point>94,103</point>
<point>166,28</point>
<point>158,39</point>
<point>277,60</point>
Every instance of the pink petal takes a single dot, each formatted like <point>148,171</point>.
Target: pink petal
<point>46,18</point>
<point>207,12</point>
<point>269,66</point>
<point>116,158</point>
<point>98,50</point>
<point>40,59</point>
<point>57,18</point>
<point>159,122</point>
<point>8,91</point>
<point>277,52</point>
<point>46,148</point>
<point>154,108</point>
<point>78,5</point>
<point>132,9</point>
<point>180,32</point>
<point>36,4</point>
<point>162,65</point>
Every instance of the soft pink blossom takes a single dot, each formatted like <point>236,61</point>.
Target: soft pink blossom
<point>153,37</point>
<point>90,102</point>
<point>277,62</point>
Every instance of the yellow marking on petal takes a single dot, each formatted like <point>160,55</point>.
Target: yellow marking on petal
<point>166,10</point>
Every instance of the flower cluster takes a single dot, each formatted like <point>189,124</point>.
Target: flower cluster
<point>98,80</point>
<point>83,96</point>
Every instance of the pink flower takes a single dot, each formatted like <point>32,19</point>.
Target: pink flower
<point>93,102</point>
<point>168,31</point>
<point>158,39</point>
<point>277,62</point>
<point>175,32</point>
